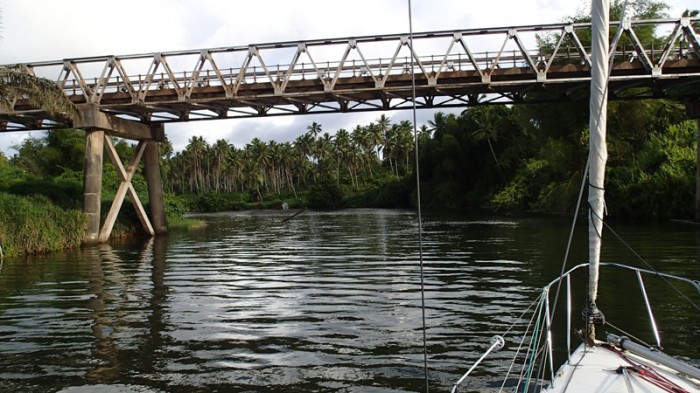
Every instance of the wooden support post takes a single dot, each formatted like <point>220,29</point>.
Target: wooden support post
<point>155,187</point>
<point>92,184</point>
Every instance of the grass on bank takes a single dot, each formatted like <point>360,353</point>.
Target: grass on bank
<point>31,225</point>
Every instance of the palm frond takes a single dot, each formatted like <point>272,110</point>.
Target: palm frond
<point>17,83</point>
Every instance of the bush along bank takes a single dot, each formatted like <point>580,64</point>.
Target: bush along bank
<point>32,225</point>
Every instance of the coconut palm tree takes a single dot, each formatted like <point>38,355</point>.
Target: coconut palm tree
<point>287,163</point>
<point>383,126</point>
<point>314,129</point>
<point>197,148</point>
<point>406,143</point>
<point>260,157</point>
<point>361,137</point>
<point>220,151</point>
<point>391,148</point>
<point>424,134</point>
<point>491,123</point>
<point>234,170</point>
<point>439,124</point>
<point>323,151</point>
<point>303,147</point>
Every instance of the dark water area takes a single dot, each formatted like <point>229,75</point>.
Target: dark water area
<point>326,302</point>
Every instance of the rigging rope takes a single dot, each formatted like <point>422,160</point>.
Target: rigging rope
<point>420,218</point>
<point>647,373</point>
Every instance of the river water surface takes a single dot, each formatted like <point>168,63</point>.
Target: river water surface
<point>325,302</point>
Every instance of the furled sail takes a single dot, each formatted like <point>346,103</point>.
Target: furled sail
<point>598,153</point>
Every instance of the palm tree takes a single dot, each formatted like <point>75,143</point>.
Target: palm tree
<point>234,170</point>
<point>491,123</point>
<point>258,160</point>
<point>275,165</point>
<point>383,126</point>
<point>286,162</point>
<point>355,160</point>
<point>439,124</point>
<point>303,147</point>
<point>391,148</point>
<point>323,151</point>
<point>424,134</point>
<point>314,129</point>
<point>361,138</point>
<point>18,82</point>
<point>341,146</point>
<point>406,142</point>
<point>220,150</point>
<point>197,148</point>
<point>165,149</point>
<point>375,138</point>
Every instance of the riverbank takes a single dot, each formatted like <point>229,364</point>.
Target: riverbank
<point>36,224</point>
<point>32,225</point>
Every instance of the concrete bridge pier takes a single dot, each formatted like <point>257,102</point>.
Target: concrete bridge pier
<point>100,127</point>
<point>92,183</point>
<point>155,187</point>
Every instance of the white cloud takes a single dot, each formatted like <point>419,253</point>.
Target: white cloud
<point>36,30</point>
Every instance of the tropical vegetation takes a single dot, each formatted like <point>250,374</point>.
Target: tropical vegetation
<point>33,223</point>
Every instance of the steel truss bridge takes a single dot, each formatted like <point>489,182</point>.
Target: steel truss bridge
<point>370,73</point>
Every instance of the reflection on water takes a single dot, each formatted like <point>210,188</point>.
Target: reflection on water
<point>324,302</point>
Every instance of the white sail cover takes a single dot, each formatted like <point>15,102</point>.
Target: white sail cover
<point>598,153</point>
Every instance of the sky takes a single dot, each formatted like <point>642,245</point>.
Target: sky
<point>40,30</point>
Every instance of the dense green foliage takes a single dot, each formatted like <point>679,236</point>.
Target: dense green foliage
<point>537,164</point>
<point>327,195</point>
<point>34,225</point>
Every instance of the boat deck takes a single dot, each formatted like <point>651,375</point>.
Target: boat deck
<point>605,368</point>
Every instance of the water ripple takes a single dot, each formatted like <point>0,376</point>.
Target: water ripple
<point>325,302</point>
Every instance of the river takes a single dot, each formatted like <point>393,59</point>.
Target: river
<point>325,302</point>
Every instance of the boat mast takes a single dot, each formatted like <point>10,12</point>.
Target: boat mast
<point>598,153</point>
